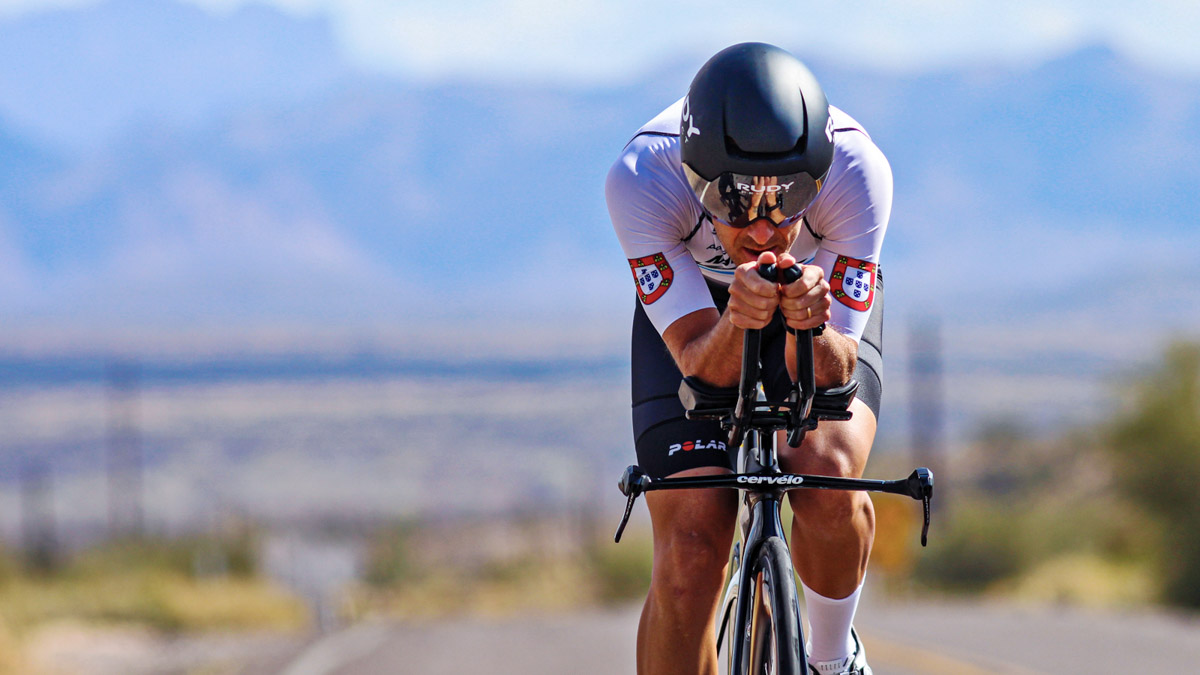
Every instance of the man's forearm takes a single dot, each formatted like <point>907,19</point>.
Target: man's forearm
<point>834,357</point>
<point>714,356</point>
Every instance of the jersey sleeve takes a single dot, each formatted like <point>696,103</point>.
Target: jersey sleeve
<point>652,221</point>
<point>850,220</point>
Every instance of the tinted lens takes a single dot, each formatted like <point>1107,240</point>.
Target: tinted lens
<point>738,200</point>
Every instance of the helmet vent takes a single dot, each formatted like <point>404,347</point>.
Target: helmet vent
<point>731,147</point>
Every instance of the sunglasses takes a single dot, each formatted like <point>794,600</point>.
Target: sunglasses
<point>744,222</point>
<point>737,200</point>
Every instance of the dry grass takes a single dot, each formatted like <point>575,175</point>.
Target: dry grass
<point>1085,581</point>
<point>604,574</point>
<point>148,586</point>
<point>10,654</point>
<point>160,600</point>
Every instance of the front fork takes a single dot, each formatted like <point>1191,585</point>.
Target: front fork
<point>763,524</point>
<point>729,598</point>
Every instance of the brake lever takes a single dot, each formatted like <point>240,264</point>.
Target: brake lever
<point>920,486</point>
<point>624,519</point>
<point>633,482</point>
<point>925,527</point>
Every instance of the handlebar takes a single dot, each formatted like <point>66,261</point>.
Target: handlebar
<point>918,485</point>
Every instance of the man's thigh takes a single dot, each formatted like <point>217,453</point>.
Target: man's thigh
<point>833,448</point>
<point>693,529</point>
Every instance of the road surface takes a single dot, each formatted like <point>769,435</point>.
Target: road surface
<point>927,638</point>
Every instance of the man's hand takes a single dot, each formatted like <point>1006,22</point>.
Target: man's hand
<point>753,299</point>
<point>805,302</point>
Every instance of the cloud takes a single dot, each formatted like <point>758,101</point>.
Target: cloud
<point>593,41</point>
<point>14,7</point>
<point>613,39</point>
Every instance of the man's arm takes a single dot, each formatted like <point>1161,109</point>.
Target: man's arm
<point>834,357</point>
<point>708,345</point>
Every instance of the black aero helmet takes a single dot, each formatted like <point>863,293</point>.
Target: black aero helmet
<point>755,139</point>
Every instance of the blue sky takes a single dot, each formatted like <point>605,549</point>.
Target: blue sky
<point>604,41</point>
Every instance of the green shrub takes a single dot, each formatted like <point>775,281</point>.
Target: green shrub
<point>9,568</point>
<point>197,583</point>
<point>1156,444</point>
<point>389,558</point>
<point>621,571</point>
<point>978,546</point>
<point>204,556</point>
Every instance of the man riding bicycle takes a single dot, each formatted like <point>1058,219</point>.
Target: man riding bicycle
<point>752,166</point>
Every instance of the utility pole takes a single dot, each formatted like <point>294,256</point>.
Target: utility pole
<point>37,516</point>
<point>124,451</point>
<point>927,402</point>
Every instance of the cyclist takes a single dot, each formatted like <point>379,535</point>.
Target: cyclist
<point>751,166</point>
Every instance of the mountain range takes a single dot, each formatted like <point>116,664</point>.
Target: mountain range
<point>164,167</point>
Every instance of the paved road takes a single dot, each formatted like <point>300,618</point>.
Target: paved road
<point>1001,638</point>
<point>915,639</point>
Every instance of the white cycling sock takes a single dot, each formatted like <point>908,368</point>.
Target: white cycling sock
<point>829,625</point>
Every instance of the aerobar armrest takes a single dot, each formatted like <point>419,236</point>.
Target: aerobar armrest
<point>834,403</point>
<point>699,396</point>
<point>696,394</point>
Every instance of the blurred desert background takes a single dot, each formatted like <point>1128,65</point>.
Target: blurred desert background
<point>312,320</point>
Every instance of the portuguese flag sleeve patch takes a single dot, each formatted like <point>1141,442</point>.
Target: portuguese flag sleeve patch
<point>853,282</point>
<point>653,275</point>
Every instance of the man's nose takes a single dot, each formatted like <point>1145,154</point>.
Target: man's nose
<point>761,230</point>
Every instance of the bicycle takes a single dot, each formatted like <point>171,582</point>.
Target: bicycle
<point>760,630</point>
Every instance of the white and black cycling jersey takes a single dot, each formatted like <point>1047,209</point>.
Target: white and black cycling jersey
<point>672,246</point>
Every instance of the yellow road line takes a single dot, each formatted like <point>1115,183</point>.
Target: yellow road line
<point>903,655</point>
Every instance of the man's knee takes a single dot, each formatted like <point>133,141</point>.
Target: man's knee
<point>840,452</point>
<point>689,562</point>
<point>824,513</point>
<point>693,530</point>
